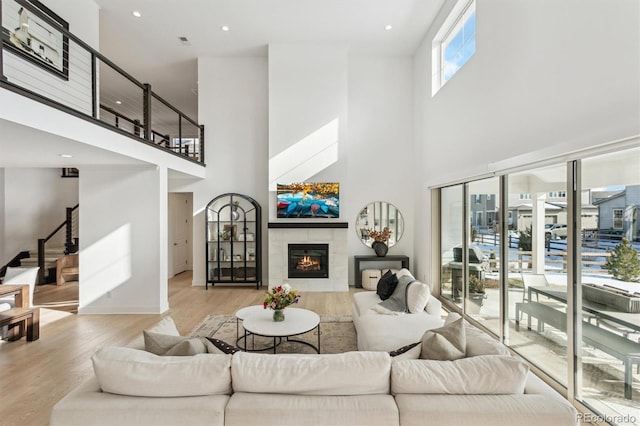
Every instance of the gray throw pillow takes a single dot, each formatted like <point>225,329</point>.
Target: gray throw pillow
<point>446,343</point>
<point>168,345</point>
<point>398,300</point>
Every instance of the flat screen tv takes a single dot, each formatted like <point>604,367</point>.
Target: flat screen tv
<point>308,200</point>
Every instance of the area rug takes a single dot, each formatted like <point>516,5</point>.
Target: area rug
<point>337,335</point>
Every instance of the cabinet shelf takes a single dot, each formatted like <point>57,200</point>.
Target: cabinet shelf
<point>229,217</point>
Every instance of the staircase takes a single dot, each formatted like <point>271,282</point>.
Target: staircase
<point>45,257</point>
<point>48,268</point>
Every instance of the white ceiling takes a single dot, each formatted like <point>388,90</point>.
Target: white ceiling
<point>149,47</point>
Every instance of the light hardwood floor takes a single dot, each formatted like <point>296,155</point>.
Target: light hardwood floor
<point>35,375</point>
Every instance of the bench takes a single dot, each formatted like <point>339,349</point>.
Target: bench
<point>25,318</point>
<point>617,346</point>
<point>627,351</point>
<point>544,313</point>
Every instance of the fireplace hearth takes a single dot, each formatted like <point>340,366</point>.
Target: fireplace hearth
<point>308,261</point>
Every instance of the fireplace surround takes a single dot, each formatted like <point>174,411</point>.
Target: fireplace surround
<point>333,234</point>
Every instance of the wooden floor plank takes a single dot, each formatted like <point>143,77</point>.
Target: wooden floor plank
<point>35,375</point>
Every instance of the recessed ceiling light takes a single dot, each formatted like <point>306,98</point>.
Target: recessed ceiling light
<point>224,28</point>
<point>388,27</point>
<point>66,155</point>
<point>119,102</point>
<point>136,14</point>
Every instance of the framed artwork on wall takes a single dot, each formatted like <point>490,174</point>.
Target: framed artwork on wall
<point>29,30</point>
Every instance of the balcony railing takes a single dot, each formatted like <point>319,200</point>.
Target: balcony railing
<point>41,59</point>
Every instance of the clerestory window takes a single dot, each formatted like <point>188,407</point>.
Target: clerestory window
<point>454,44</point>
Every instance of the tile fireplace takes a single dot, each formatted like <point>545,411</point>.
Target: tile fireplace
<point>325,267</point>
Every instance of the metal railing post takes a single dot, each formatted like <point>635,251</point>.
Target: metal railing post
<point>41,249</point>
<point>202,143</point>
<point>2,76</point>
<point>147,111</point>
<point>94,87</point>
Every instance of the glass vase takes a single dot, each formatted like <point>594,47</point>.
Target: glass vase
<point>278,315</point>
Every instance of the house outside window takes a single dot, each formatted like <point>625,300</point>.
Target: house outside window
<point>525,196</point>
<point>617,218</point>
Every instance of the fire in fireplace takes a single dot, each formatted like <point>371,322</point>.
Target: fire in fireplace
<point>308,260</point>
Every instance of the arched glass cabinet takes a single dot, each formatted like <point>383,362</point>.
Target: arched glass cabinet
<point>234,240</point>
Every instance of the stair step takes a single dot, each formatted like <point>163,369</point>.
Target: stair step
<point>49,262</point>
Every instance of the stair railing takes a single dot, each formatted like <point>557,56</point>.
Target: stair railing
<point>71,242</point>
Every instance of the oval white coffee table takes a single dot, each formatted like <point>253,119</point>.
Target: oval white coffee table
<point>297,321</point>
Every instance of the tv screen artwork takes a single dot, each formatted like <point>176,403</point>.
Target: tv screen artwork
<point>308,200</point>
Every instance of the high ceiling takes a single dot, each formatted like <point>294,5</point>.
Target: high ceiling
<point>149,47</point>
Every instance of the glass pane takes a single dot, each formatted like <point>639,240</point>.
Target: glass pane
<point>483,294</point>
<point>610,287</point>
<point>537,288</point>
<point>451,214</point>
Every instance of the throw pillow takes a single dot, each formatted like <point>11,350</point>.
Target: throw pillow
<point>168,345</point>
<point>387,285</point>
<point>451,317</point>
<point>398,300</point>
<point>417,296</point>
<point>478,342</point>
<point>411,351</point>
<point>404,272</point>
<point>446,343</point>
<point>220,346</point>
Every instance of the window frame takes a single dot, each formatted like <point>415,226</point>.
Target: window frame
<point>452,25</point>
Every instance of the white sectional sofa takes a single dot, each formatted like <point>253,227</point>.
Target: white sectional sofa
<point>389,331</point>
<point>134,387</point>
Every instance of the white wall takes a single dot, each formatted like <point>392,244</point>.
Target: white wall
<point>123,244</point>
<point>76,91</point>
<point>35,202</point>
<point>547,78</point>
<point>380,144</point>
<point>233,108</point>
<point>308,121</point>
<point>375,93</point>
<point>3,257</point>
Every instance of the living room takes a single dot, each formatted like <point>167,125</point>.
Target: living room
<point>520,100</point>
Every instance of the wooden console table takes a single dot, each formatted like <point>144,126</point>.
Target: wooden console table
<point>404,261</point>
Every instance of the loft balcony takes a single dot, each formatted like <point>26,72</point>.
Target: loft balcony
<point>42,60</point>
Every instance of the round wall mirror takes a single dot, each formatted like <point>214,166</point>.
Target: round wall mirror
<point>376,216</point>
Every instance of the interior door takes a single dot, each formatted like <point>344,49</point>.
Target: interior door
<point>179,213</point>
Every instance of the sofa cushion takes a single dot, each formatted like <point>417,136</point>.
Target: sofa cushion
<point>445,343</point>
<point>263,409</point>
<point>127,371</point>
<point>89,405</point>
<point>484,410</point>
<point>387,285</point>
<point>417,296</point>
<point>350,373</point>
<point>482,375</point>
